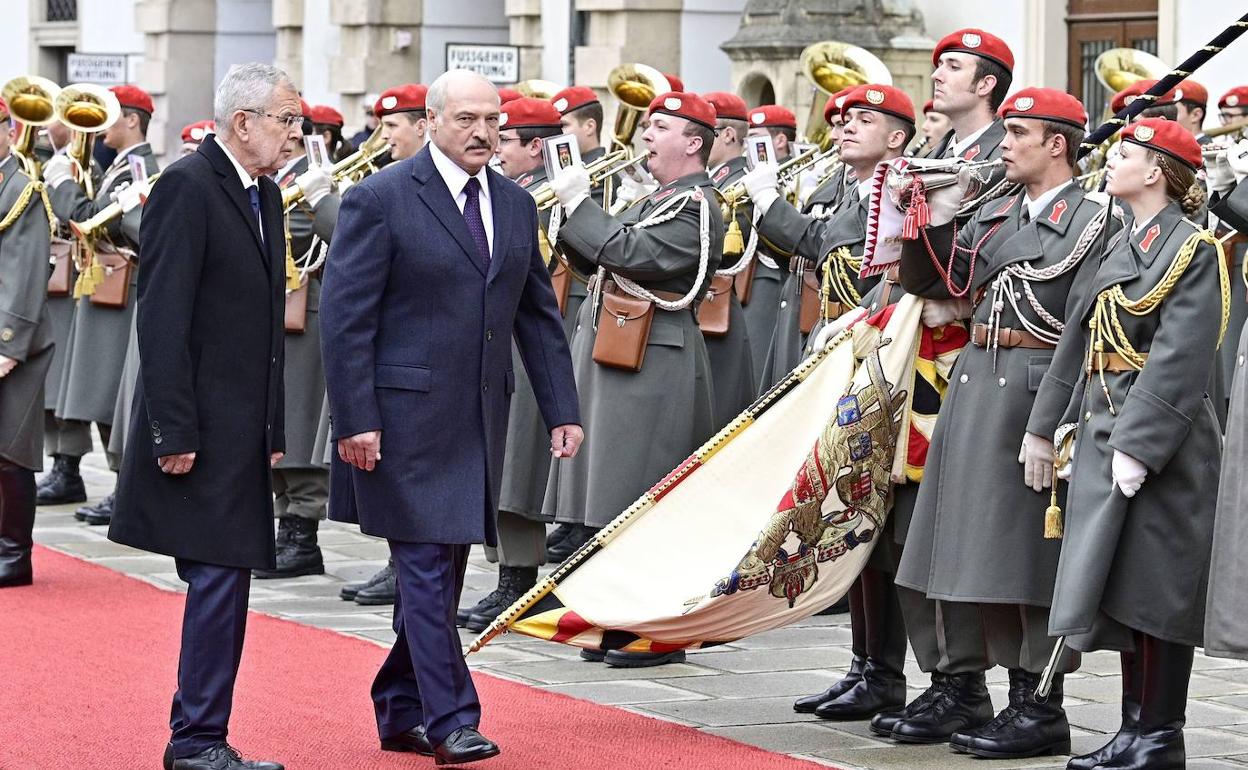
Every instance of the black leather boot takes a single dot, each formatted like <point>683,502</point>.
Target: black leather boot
<point>513,582</point>
<point>350,590</point>
<point>100,513</point>
<point>809,703</point>
<point>963,702</point>
<point>1132,681</point>
<point>558,535</point>
<point>464,614</point>
<point>1024,728</point>
<point>881,689</point>
<point>882,724</point>
<point>63,485</point>
<point>1167,670</point>
<point>17,522</point>
<point>381,591</point>
<point>581,535</point>
<point>297,551</point>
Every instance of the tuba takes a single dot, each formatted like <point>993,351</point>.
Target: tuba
<point>30,99</point>
<point>832,66</point>
<point>635,86</point>
<point>87,109</point>
<point>538,89</point>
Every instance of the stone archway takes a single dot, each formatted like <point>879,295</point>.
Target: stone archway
<point>757,89</point>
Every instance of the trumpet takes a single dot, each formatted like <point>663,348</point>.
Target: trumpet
<point>602,169</point>
<point>1230,128</point>
<point>354,167</point>
<point>91,230</point>
<point>736,194</point>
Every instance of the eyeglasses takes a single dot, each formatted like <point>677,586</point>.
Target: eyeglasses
<point>506,139</point>
<point>291,121</point>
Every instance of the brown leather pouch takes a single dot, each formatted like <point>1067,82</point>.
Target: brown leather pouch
<point>743,283</point>
<point>297,309</point>
<point>623,329</point>
<point>114,290</point>
<point>809,312</point>
<point>715,312</point>
<point>561,281</point>
<point>61,280</point>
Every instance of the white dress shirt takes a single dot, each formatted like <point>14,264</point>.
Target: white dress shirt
<point>456,178</point>
<point>247,179</point>
<point>959,146</point>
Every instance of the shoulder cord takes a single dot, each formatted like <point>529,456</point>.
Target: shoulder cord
<point>663,214</point>
<point>1105,325</point>
<point>836,278</point>
<point>32,188</point>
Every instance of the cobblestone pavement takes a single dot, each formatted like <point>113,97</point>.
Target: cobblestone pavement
<point>743,691</point>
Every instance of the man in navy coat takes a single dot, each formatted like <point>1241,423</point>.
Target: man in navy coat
<point>434,269</point>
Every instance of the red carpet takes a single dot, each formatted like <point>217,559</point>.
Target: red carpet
<point>88,659</point>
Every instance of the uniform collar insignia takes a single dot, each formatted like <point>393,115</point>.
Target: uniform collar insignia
<point>662,194</point>
<point>723,172</point>
<point>1151,235</point>
<point>286,180</point>
<point>971,153</point>
<point>1009,202</point>
<point>1059,208</point>
<point>525,180</point>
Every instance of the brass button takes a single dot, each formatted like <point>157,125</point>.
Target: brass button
<point>1241,359</point>
<point>6,335</point>
<point>1088,417</point>
<point>784,303</point>
<point>964,378</point>
<point>1001,383</point>
<point>157,440</point>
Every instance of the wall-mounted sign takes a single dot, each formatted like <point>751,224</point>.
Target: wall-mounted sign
<point>103,68</point>
<point>499,63</point>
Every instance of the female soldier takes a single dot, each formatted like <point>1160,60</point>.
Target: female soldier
<point>1143,479</point>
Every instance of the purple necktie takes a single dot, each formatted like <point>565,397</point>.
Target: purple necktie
<point>472,217</point>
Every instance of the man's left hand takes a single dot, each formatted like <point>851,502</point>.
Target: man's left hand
<point>565,441</point>
<point>7,365</point>
<point>275,458</point>
<point>938,312</point>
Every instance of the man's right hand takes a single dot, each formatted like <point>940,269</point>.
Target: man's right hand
<point>7,365</point>
<point>363,450</point>
<point>177,465</point>
<point>943,203</point>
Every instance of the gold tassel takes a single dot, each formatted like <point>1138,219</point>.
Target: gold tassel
<point>1053,514</point>
<point>292,270</point>
<point>543,245</point>
<point>734,244</point>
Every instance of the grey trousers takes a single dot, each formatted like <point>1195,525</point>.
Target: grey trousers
<point>521,542</point>
<point>946,636</point>
<point>1018,637</point>
<point>301,492</point>
<point>66,437</point>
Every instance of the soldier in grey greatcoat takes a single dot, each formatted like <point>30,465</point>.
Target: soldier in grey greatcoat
<point>663,251</point>
<point>25,354</point>
<point>977,532</point>
<point>1143,477</point>
<point>99,336</point>
<point>523,124</point>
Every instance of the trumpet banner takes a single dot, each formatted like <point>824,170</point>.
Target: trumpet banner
<point>708,556</point>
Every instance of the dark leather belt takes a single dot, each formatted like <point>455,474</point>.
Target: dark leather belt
<point>1111,362</point>
<point>1008,338</point>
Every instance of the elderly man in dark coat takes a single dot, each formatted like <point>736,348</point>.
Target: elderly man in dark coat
<point>207,421</point>
<point>435,267</point>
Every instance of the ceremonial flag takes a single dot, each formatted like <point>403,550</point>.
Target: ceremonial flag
<point>708,555</point>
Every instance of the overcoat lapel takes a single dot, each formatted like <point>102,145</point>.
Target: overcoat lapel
<point>437,197</point>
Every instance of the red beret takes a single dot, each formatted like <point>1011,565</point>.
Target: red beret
<point>324,115</point>
<point>573,98</point>
<point>1165,136</point>
<point>4,109</point>
<point>195,132</point>
<point>674,81</point>
<point>927,106</point>
<point>507,94</point>
<point>772,116</point>
<point>683,105</point>
<point>528,112</point>
<point>409,97</point>
<point>1045,104</point>
<point>833,106</point>
<point>305,109</point>
<point>134,98</point>
<point>1236,97</point>
<point>727,106</point>
<point>1129,94</point>
<point>977,42</point>
<point>880,98</point>
<point>1191,91</point>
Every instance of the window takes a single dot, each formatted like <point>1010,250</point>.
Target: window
<point>1095,27</point>
<point>62,10</point>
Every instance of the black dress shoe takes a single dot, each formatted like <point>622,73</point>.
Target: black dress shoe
<point>350,590</point>
<point>223,756</point>
<point>962,703</point>
<point>882,724</point>
<point>879,690</point>
<point>98,514</point>
<point>1025,728</point>
<point>413,741</point>
<point>809,703</point>
<point>593,656</point>
<point>622,659</point>
<point>63,484</point>
<point>297,551</point>
<point>463,746</point>
<point>381,592</point>
<point>513,583</point>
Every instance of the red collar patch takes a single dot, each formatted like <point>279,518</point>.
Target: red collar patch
<point>1149,237</point>
<point>719,175</point>
<point>525,180</point>
<point>662,194</point>
<point>1059,208</point>
<point>286,180</point>
<point>972,153</point>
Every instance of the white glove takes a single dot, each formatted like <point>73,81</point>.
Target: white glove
<point>315,184</point>
<point>761,182</point>
<point>630,189</point>
<point>1036,455</point>
<point>57,170</point>
<point>829,332</point>
<point>1064,472</point>
<point>1219,174</point>
<point>7,365</point>
<point>344,185</point>
<point>133,195</point>
<point>571,187</point>
<point>938,312</point>
<point>943,203</point>
<point>1128,473</point>
<point>1237,159</point>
